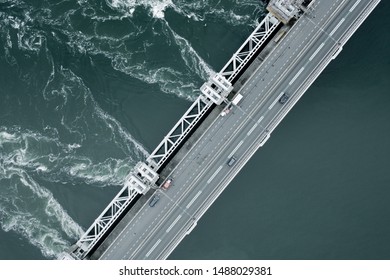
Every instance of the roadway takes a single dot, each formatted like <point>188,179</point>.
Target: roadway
<point>203,173</point>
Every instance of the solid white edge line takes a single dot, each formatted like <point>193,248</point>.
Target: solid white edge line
<point>194,198</point>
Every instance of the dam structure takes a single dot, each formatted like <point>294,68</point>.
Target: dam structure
<point>238,108</point>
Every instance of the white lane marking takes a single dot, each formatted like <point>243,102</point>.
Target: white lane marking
<point>261,118</point>
<point>296,76</point>
<point>276,100</point>
<point>173,224</point>
<point>215,174</point>
<point>337,27</point>
<point>195,197</point>
<point>154,247</point>
<point>316,52</point>
<point>354,6</point>
<point>236,148</point>
<point>253,128</point>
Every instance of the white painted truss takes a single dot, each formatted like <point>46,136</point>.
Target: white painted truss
<point>145,175</point>
<point>250,47</point>
<point>104,221</point>
<point>215,90</point>
<point>178,132</point>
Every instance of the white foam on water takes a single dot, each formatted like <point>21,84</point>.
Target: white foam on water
<point>30,209</point>
<point>110,172</point>
<point>42,221</point>
<point>41,168</point>
<point>157,7</point>
<point>72,147</point>
<point>234,12</point>
<point>6,137</point>
<point>74,92</point>
<point>29,39</point>
<point>62,162</point>
<point>168,79</point>
<point>27,154</point>
<point>172,81</point>
<point>116,128</point>
<point>191,58</point>
<point>69,226</point>
<point>195,10</point>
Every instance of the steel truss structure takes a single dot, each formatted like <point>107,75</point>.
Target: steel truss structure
<point>178,132</point>
<point>250,47</point>
<point>173,139</point>
<point>104,221</point>
<point>229,71</point>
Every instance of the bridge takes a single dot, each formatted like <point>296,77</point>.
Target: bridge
<point>163,198</point>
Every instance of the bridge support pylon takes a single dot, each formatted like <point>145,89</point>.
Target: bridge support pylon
<point>216,88</point>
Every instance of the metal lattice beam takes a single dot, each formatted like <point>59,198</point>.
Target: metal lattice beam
<point>174,138</point>
<point>249,47</point>
<point>200,106</point>
<point>104,221</point>
<point>178,132</point>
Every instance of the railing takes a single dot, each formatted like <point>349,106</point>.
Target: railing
<point>250,47</point>
<point>178,132</point>
<point>104,221</point>
<point>174,138</point>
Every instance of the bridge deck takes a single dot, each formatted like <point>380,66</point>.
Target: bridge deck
<point>201,173</point>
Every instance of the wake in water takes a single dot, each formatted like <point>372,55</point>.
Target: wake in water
<point>53,130</point>
<point>233,12</point>
<point>32,211</point>
<point>185,82</point>
<point>25,206</point>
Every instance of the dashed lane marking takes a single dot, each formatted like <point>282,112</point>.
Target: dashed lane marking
<point>296,76</point>
<point>173,223</point>
<point>154,247</point>
<point>316,52</point>
<point>193,200</point>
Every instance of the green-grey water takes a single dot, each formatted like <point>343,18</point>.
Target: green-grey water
<point>88,88</point>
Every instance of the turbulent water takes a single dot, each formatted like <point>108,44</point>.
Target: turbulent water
<point>80,83</point>
<point>89,88</point>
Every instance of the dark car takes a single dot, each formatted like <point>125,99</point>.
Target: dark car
<point>231,161</point>
<point>154,200</point>
<point>284,98</point>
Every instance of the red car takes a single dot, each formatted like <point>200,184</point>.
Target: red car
<point>167,184</point>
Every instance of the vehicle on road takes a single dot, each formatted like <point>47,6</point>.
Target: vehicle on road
<point>167,184</point>
<point>226,110</point>
<point>284,98</point>
<point>231,161</point>
<point>154,200</point>
<point>237,99</point>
